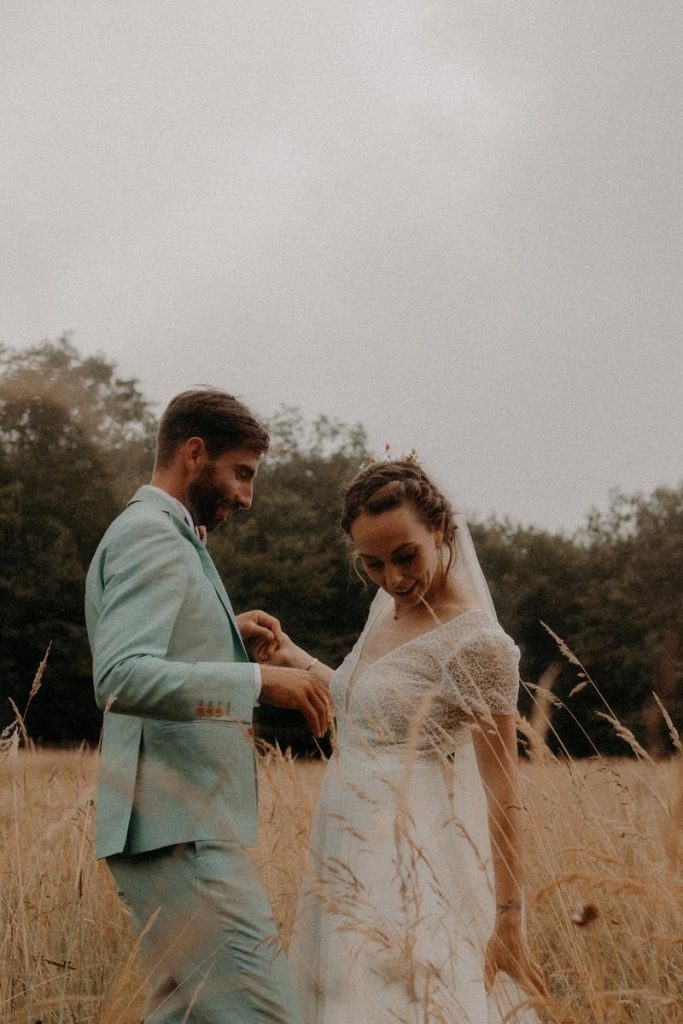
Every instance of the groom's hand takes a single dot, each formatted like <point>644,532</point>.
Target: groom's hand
<point>298,690</point>
<point>260,629</point>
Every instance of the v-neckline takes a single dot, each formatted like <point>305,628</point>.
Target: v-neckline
<point>406,643</point>
<point>413,639</point>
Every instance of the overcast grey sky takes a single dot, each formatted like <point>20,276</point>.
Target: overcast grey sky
<point>457,222</point>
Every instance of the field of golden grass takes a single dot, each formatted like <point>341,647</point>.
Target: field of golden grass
<point>603,878</point>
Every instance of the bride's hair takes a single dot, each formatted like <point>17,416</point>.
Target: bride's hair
<point>386,485</point>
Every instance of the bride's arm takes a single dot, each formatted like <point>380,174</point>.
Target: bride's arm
<point>495,744</point>
<point>290,655</point>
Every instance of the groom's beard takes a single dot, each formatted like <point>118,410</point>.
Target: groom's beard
<point>208,503</point>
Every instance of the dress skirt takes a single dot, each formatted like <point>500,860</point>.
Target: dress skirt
<point>397,904</point>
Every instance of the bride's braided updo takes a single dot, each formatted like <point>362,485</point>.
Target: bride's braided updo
<point>386,485</point>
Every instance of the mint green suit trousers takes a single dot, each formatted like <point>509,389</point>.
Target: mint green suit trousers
<point>207,936</point>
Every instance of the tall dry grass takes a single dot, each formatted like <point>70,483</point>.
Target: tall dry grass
<point>63,937</point>
<point>603,880</point>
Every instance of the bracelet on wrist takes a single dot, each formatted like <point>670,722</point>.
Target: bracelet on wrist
<point>309,667</point>
<point>508,905</point>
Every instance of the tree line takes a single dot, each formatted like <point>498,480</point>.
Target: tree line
<point>77,439</point>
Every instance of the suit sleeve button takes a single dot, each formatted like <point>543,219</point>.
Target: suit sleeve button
<point>200,710</point>
<point>218,710</point>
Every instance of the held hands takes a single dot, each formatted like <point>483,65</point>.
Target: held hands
<point>507,951</point>
<point>285,653</point>
<point>267,643</point>
<point>285,683</point>
<point>260,632</point>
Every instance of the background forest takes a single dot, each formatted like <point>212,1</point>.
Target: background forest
<point>76,440</point>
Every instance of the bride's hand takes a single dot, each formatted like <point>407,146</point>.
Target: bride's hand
<point>507,951</point>
<point>260,631</point>
<point>285,654</point>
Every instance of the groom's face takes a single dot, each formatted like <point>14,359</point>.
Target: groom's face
<point>222,485</point>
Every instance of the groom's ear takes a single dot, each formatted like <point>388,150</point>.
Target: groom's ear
<point>195,455</point>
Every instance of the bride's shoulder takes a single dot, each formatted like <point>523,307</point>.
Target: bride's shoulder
<point>473,630</point>
<point>469,621</point>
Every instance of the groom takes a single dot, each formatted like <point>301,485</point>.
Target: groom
<point>177,788</point>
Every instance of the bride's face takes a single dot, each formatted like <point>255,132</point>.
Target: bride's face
<point>400,554</point>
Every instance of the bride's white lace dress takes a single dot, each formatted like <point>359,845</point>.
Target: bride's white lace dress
<point>398,902</point>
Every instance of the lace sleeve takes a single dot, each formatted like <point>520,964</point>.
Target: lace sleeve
<point>483,675</point>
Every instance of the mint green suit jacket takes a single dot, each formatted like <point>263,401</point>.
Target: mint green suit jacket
<point>173,678</point>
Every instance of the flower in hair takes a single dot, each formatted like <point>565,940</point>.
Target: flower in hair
<point>411,457</point>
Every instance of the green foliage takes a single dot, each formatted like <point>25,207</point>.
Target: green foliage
<point>51,389</point>
<point>71,436</point>
<point>76,440</point>
<point>631,614</point>
<point>613,594</point>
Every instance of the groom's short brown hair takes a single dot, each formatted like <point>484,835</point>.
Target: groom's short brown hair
<point>220,419</point>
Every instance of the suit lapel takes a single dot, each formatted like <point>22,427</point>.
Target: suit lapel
<point>146,494</point>
<point>211,572</point>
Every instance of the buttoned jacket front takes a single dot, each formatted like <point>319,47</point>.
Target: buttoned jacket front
<point>173,678</point>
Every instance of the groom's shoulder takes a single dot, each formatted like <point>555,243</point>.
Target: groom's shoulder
<point>139,519</point>
<point>138,533</point>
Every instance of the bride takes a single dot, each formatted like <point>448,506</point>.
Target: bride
<point>411,910</point>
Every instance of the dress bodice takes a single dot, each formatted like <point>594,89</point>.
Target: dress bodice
<point>419,695</point>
